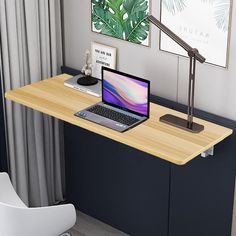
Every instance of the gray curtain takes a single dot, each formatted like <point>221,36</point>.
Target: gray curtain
<point>31,51</point>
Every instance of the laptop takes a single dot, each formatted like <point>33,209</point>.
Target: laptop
<point>125,101</point>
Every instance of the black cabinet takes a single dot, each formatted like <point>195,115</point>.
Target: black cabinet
<point>145,196</point>
<point>119,185</point>
<point>202,194</point>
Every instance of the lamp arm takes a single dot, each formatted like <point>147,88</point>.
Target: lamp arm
<point>192,52</point>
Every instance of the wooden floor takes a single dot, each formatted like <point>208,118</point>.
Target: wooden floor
<point>88,226</point>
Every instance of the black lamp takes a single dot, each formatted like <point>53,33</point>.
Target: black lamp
<point>194,56</point>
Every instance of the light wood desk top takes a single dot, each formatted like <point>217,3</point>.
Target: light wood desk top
<point>161,140</point>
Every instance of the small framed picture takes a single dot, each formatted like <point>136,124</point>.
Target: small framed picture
<point>102,55</point>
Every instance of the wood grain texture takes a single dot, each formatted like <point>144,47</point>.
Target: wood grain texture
<point>161,140</point>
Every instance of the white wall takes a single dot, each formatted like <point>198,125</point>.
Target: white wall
<point>215,87</point>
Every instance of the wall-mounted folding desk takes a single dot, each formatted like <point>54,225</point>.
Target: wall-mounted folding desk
<point>163,141</point>
<point>130,180</point>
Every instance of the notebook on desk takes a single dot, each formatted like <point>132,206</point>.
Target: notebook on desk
<point>125,101</point>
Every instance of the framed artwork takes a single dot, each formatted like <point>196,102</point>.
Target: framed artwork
<point>102,55</point>
<point>203,24</point>
<point>122,19</point>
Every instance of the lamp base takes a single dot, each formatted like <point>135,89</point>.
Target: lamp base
<point>181,123</point>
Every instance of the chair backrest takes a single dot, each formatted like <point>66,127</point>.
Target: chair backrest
<point>7,192</point>
<point>10,203</point>
<point>17,219</point>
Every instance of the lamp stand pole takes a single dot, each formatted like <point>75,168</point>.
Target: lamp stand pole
<point>188,124</point>
<point>191,90</point>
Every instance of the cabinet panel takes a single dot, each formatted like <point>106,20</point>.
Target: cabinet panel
<point>203,205</point>
<point>119,185</point>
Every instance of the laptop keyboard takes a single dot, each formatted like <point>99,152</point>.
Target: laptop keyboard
<point>113,115</point>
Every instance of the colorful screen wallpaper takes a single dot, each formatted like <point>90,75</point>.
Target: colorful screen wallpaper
<point>125,92</point>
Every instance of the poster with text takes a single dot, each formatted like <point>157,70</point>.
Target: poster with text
<point>102,55</point>
<point>203,24</point>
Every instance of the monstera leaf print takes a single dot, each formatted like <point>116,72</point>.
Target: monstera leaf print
<point>137,25</point>
<point>104,20</point>
<point>123,19</point>
<point>174,6</point>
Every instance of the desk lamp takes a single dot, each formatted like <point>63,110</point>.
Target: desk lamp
<point>194,55</point>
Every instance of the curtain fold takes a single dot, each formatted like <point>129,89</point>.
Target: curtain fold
<point>31,52</point>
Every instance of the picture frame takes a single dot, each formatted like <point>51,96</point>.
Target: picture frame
<point>134,25</point>
<point>209,31</point>
<point>102,55</point>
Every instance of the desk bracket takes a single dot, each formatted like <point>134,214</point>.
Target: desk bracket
<point>209,152</point>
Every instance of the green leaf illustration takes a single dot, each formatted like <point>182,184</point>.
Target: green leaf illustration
<point>174,6</point>
<point>104,22</point>
<point>137,24</point>
<point>123,19</point>
<point>135,6</point>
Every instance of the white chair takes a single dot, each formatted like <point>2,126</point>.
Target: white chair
<point>16,219</point>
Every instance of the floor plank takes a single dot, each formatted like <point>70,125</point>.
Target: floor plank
<point>88,226</point>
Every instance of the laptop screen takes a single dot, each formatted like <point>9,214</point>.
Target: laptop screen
<point>125,91</point>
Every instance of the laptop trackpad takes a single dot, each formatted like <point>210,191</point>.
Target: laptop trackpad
<point>102,120</point>
<point>109,123</point>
